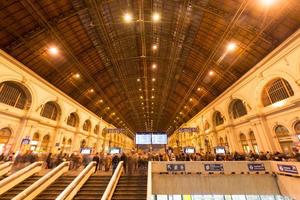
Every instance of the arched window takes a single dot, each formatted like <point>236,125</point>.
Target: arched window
<point>83,144</point>
<point>276,90</point>
<point>96,129</point>
<point>237,109</point>
<point>253,141</point>
<point>50,110</point>
<point>5,134</point>
<point>221,141</point>
<point>72,119</point>
<point>218,118</point>
<point>86,125</point>
<point>206,125</point>
<point>45,143</point>
<point>15,94</point>
<point>244,143</point>
<point>297,128</point>
<point>284,139</point>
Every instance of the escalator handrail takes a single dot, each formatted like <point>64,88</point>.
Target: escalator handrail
<point>149,181</point>
<point>20,173</point>
<point>41,181</point>
<point>113,182</point>
<point>64,194</point>
<point>6,165</point>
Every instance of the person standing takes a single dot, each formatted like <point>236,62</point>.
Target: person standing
<point>97,160</point>
<point>115,162</point>
<point>124,159</point>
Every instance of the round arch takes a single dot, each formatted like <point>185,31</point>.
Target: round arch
<point>265,80</point>
<point>26,84</point>
<point>5,135</point>
<point>15,94</point>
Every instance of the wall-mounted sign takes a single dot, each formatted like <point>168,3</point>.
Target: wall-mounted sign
<point>188,129</point>
<point>291,169</point>
<point>175,167</point>
<point>214,167</point>
<point>25,141</point>
<point>256,167</point>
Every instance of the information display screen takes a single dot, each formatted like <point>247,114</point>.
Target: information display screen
<point>189,150</point>
<point>115,150</point>
<point>143,138</point>
<point>220,150</point>
<point>86,150</point>
<point>159,139</point>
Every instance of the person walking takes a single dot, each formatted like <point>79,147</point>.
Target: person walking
<point>97,160</point>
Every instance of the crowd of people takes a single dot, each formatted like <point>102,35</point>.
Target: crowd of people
<point>136,162</point>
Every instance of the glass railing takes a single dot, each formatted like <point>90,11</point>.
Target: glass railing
<point>220,197</point>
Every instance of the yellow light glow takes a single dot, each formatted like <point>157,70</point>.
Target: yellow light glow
<point>154,66</point>
<point>91,90</point>
<point>198,89</point>
<point>153,79</point>
<point>211,73</point>
<point>53,50</point>
<point>138,80</point>
<point>154,47</point>
<point>267,2</point>
<point>127,17</point>
<point>191,99</point>
<point>152,97</point>
<point>231,46</point>
<point>77,75</point>
<point>279,104</point>
<point>156,17</point>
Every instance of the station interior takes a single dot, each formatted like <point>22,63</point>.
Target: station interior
<point>150,99</point>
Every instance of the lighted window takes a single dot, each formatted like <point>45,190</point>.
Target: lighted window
<point>86,125</point>
<point>218,118</point>
<point>50,110</point>
<point>237,109</point>
<point>96,129</point>
<point>72,120</point>
<point>275,91</point>
<point>15,95</point>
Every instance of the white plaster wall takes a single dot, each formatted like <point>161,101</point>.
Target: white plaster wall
<point>24,123</point>
<point>283,62</point>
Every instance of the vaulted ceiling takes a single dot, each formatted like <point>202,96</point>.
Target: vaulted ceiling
<point>105,63</point>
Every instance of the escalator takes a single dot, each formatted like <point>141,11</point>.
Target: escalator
<point>93,188</point>
<point>19,188</point>
<point>52,191</point>
<point>131,187</point>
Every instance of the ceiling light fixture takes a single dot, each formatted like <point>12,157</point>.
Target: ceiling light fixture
<point>154,47</point>
<point>77,75</point>
<point>211,73</point>
<point>138,80</point>
<point>268,2</point>
<point>156,17</point>
<point>231,46</point>
<point>127,17</point>
<point>198,89</point>
<point>153,79</point>
<point>53,50</point>
<point>92,90</point>
<point>154,66</point>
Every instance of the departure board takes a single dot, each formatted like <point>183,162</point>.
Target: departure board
<point>159,139</point>
<point>143,139</point>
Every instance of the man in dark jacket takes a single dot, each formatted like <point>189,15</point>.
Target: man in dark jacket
<point>124,159</point>
<point>97,160</point>
<point>115,162</point>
